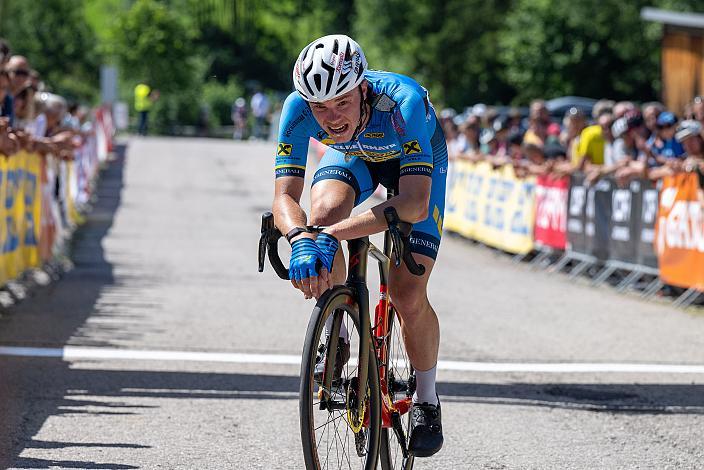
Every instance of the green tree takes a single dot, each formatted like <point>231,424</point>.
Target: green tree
<point>57,41</point>
<point>590,48</point>
<point>155,44</point>
<point>449,46</point>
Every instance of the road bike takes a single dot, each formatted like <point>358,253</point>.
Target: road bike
<point>362,418</point>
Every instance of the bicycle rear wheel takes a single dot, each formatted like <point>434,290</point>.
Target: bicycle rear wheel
<point>331,436</point>
<point>401,382</point>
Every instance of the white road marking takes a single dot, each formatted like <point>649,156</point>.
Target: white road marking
<point>75,353</point>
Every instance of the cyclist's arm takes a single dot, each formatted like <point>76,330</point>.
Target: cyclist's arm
<point>416,168</point>
<point>290,167</point>
<point>288,213</point>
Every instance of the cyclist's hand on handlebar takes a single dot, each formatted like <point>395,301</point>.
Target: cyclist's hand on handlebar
<point>328,245</point>
<point>306,263</point>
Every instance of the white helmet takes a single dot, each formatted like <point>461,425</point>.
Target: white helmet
<point>329,67</point>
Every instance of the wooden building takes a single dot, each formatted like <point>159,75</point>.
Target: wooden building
<point>682,62</point>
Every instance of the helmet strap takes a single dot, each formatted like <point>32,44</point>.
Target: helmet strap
<point>363,114</point>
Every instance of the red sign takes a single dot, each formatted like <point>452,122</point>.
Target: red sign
<point>551,211</point>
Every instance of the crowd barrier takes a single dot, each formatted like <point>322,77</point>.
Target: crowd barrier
<point>42,198</point>
<point>491,205</point>
<point>636,229</point>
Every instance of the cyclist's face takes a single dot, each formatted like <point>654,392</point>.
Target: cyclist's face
<point>340,116</point>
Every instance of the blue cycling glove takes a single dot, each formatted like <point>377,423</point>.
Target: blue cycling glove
<point>328,246</point>
<point>304,257</point>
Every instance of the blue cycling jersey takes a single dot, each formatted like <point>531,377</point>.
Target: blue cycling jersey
<point>402,137</point>
<point>401,125</point>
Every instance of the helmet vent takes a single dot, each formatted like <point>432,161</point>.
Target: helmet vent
<point>318,81</point>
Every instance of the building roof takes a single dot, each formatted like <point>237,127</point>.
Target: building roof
<point>688,20</point>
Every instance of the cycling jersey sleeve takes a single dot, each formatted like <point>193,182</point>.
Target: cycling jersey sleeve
<point>410,119</point>
<point>294,135</point>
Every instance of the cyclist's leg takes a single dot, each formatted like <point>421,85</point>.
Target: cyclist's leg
<point>338,186</point>
<point>408,292</point>
<point>419,322</point>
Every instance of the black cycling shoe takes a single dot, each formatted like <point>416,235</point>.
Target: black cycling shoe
<point>341,358</point>
<point>426,430</point>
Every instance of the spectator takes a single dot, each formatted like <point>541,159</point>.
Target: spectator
<point>602,107</point>
<point>515,150</point>
<point>24,107</point>
<point>698,109</point>
<point>623,107</point>
<point>469,136</point>
<point>689,134</point>
<point>489,144</point>
<point>143,99</point>
<point>651,111</point>
<point>663,145</point>
<point>502,129</point>
<point>514,116</point>
<point>627,132</point>
<point>239,118</point>
<point>7,107</point>
<point>260,110</point>
<point>452,137</point>
<point>539,120</point>
<point>18,69</point>
<point>574,123</point>
<point>593,140</point>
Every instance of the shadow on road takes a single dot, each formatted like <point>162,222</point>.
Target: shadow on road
<point>31,390</point>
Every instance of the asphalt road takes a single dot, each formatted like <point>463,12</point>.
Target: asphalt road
<point>166,263</point>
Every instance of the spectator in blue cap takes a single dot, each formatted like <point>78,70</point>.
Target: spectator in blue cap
<point>663,145</point>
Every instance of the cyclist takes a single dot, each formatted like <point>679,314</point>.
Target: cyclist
<point>381,128</point>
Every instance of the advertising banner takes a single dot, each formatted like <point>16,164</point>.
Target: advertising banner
<point>576,208</point>
<point>625,222</point>
<point>680,231</point>
<point>492,206</point>
<point>648,217</point>
<point>597,226</point>
<point>551,195</point>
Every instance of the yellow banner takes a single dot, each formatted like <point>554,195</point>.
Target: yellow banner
<point>491,205</point>
<point>31,217</point>
<point>19,214</point>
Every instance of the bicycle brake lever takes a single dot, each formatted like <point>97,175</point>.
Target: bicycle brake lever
<point>262,252</point>
<point>267,226</point>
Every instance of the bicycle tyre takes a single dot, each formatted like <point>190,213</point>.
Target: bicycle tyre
<point>390,453</point>
<point>338,298</point>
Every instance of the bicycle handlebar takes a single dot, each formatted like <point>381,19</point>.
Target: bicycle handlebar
<point>400,235</point>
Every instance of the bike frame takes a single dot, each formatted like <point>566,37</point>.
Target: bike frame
<point>360,250</point>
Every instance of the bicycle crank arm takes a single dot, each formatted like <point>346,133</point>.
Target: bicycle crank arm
<point>398,430</point>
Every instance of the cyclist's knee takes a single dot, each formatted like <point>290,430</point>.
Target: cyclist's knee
<point>327,212</point>
<point>411,304</point>
<point>330,209</point>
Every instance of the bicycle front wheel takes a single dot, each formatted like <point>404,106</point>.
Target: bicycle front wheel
<point>401,384</point>
<point>332,433</point>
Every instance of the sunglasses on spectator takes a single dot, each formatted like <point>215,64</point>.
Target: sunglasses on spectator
<point>664,126</point>
<point>21,72</point>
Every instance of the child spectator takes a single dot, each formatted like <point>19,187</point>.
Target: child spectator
<point>663,145</point>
